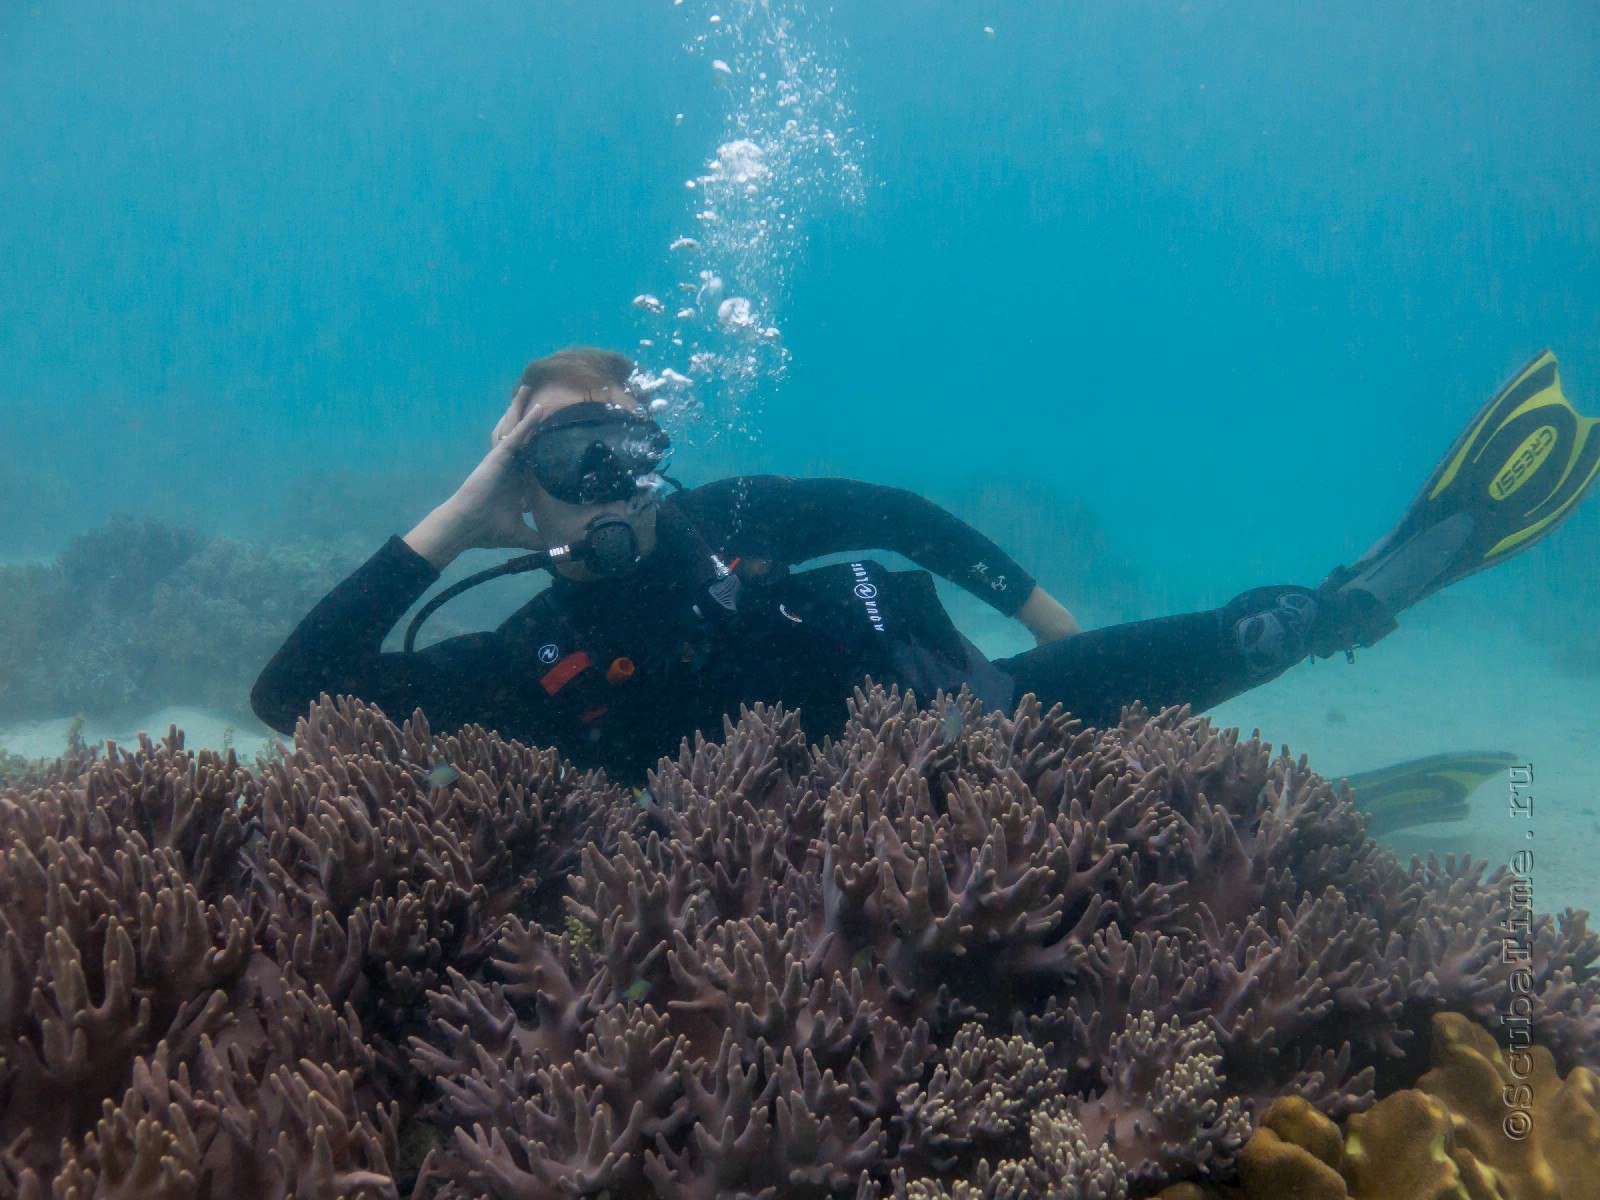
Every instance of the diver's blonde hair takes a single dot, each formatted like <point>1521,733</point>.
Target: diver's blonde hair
<point>584,368</point>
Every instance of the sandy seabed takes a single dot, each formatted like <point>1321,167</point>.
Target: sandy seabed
<point>1456,686</point>
<point>202,729</point>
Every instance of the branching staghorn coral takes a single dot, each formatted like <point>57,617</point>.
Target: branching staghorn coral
<point>943,954</point>
<point>202,967</point>
<point>1177,927</point>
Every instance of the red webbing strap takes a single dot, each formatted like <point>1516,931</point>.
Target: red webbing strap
<point>563,673</point>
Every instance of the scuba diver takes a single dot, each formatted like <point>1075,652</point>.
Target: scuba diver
<point>667,610</point>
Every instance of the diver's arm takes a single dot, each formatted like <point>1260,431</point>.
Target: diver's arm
<point>1199,659</point>
<point>337,649</point>
<point>1182,659</point>
<point>1044,617</point>
<point>796,519</point>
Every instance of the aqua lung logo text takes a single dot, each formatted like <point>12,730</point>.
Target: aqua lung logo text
<point>996,584</point>
<point>867,591</point>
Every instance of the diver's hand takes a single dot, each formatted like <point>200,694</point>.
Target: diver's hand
<point>515,412</point>
<point>1346,619</point>
<point>486,510</point>
<point>1045,618</point>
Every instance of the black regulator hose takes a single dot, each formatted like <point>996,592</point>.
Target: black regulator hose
<point>609,547</point>
<point>536,561</point>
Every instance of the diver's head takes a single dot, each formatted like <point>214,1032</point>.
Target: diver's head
<point>593,457</point>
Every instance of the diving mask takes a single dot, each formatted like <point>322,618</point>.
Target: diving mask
<point>593,452</point>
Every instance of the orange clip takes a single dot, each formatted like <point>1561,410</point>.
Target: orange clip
<point>620,670</point>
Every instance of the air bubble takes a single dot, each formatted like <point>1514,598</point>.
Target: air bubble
<point>787,148</point>
<point>736,318</point>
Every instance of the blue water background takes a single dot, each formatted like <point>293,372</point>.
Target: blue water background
<point>1232,273</point>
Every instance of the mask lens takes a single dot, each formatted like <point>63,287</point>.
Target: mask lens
<point>599,461</point>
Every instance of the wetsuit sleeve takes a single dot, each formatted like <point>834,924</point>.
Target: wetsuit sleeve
<point>1199,659</point>
<point>792,520</point>
<point>337,649</point>
<point>1181,659</point>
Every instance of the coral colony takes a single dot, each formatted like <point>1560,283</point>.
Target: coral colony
<point>947,954</point>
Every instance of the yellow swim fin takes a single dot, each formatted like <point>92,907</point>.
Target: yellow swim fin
<point>1422,791</point>
<point>1516,472</point>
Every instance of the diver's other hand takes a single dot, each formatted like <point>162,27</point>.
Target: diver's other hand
<point>1045,618</point>
<point>486,510</point>
<point>1347,618</point>
<point>1275,627</point>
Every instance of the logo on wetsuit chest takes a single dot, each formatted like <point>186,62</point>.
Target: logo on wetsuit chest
<point>867,592</point>
<point>549,652</point>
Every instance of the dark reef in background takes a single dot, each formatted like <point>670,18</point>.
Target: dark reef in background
<point>933,958</point>
<point>139,615</point>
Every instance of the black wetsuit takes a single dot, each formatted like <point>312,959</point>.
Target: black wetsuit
<point>616,672</point>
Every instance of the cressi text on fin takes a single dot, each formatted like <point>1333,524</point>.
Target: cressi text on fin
<point>1516,472</point>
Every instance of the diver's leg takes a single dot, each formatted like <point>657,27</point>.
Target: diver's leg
<point>1199,659</point>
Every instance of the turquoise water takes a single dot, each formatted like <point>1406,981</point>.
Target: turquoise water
<point>1222,279</point>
